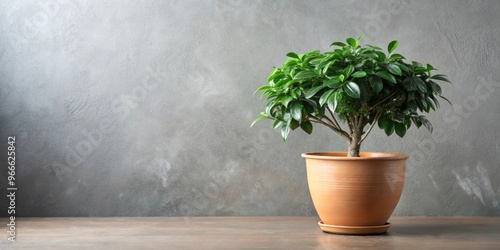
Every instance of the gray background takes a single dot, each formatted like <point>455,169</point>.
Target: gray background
<point>142,108</point>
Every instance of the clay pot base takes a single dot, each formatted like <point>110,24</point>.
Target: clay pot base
<point>354,230</point>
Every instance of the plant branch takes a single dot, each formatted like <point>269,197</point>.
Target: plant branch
<point>377,117</point>
<point>379,114</point>
<point>382,101</point>
<point>331,122</point>
<point>349,124</point>
<point>361,122</point>
<point>333,118</point>
<point>341,132</point>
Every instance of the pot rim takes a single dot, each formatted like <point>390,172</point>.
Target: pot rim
<point>364,156</point>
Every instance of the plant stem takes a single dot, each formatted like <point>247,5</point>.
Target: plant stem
<point>357,132</point>
<point>354,145</point>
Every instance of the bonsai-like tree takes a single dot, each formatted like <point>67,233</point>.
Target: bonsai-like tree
<point>359,86</point>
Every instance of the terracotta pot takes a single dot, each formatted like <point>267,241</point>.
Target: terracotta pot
<point>355,192</point>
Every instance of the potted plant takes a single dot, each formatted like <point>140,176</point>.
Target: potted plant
<point>351,90</point>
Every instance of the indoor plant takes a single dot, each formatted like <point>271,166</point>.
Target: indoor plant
<point>359,87</point>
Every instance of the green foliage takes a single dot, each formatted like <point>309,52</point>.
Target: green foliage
<point>357,85</point>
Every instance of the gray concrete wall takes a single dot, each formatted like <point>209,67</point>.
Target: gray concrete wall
<point>142,108</point>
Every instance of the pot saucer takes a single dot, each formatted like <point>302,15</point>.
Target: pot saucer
<point>354,230</point>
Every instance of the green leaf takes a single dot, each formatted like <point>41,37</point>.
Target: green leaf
<point>311,92</point>
<point>352,90</point>
<point>407,123</point>
<point>427,124</point>
<point>333,83</point>
<point>285,130</point>
<point>353,42</point>
<point>338,44</point>
<point>325,97</point>
<point>395,57</point>
<point>431,103</point>
<point>394,69</point>
<point>291,62</point>
<point>307,127</point>
<point>389,130</point>
<point>289,83</point>
<point>430,67</point>
<point>370,54</point>
<point>392,46</point>
<point>265,87</point>
<point>369,72</point>
<point>313,53</point>
<point>374,47</point>
<point>267,92</point>
<point>376,84</point>
<point>400,129</point>
<point>270,106</point>
<point>440,77</point>
<point>293,94</point>
<point>446,99</point>
<point>436,102</point>
<point>424,105</point>
<point>294,124</point>
<point>412,106</point>
<point>292,55</point>
<point>341,78</point>
<point>435,87</point>
<point>287,117</point>
<point>258,119</point>
<point>416,64</point>
<point>385,123</point>
<point>296,111</point>
<point>304,75</point>
<point>270,94</point>
<point>365,50</point>
<point>325,59</point>
<point>310,105</point>
<point>317,61</point>
<point>381,55</point>
<point>333,101</point>
<point>420,84</point>
<point>281,82</point>
<point>325,69</point>
<point>416,121</point>
<point>420,70</point>
<point>348,71</point>
<point>404,68</point>
<point>359,74</point>
<point>387,76</point>
<point>286,100</point>
<point>277,123</point>
<point>275,74</point>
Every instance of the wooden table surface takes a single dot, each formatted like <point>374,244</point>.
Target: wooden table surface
<point>246,233</point>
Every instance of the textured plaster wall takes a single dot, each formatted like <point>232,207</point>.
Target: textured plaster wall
<point>142,108</point>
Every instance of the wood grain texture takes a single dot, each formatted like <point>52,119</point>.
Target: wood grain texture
<point>246,233</point>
